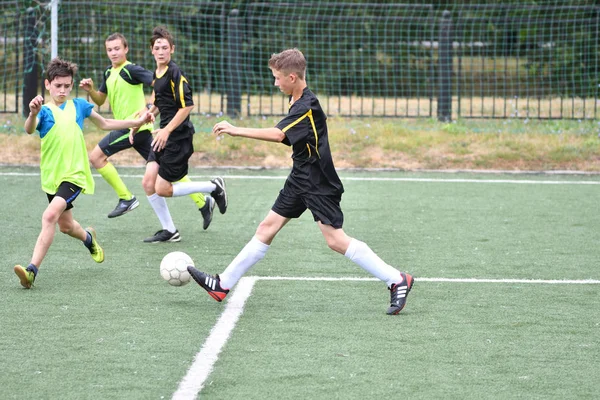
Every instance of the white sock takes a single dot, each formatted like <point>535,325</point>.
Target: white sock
<point>159,204</point>
<point>361,254</point>
<point>185,188</point>
<point>252,253</point>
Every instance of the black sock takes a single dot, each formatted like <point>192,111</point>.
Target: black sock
<point>88,240</point>
<point>32,268</point>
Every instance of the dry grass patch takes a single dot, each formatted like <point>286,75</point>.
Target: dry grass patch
<point>376,143</point>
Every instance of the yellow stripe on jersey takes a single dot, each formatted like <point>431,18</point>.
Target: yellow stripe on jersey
<point>285,129</point>
<point>181,91</point>
<point>312,123</point>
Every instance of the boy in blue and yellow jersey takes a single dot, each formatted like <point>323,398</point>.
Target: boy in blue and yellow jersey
<point>312,184</point>
<point>64,165</point>
<point>123,86</point>
<point>172,145</point>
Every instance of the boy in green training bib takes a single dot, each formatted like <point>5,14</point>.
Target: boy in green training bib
<point>64,165</point>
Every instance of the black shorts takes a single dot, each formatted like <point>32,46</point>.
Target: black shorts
<point>117,141</point>
<point>67,191</point>
<point>173,159</point>
<point>323,208</point>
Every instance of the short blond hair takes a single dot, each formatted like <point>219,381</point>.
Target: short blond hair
<point>289,61</point>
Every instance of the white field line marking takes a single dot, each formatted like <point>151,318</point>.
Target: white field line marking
<point>439,180</point>
<point>390,179</point>
<point>448,280</point>
<point>194,380</point>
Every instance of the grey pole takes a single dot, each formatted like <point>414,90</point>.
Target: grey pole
<point>445,68</point>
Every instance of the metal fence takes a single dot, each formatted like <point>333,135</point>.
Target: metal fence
<point>384,60</point>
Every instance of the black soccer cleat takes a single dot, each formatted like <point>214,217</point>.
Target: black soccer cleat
<point>123,207</point>
<point>220,194</point>
<point>163,236</point>
<point>207,211</point>
<point>212,284</point>
<point>398,293</point>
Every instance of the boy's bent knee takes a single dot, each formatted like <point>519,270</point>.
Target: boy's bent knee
<point>50,217</point>
<point>164,191</point>
<point>265,232</point>
<point>337,246</point>
<point>163,188</point>
<point>337,240</point>
<point>97,158</point>
<point>148,188</point>
<point>148,185</point>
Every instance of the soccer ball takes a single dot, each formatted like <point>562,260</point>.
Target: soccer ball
<point>173,268</point>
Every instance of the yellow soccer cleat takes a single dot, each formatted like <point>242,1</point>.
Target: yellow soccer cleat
<point>26,277</point>
<point>95,249</point>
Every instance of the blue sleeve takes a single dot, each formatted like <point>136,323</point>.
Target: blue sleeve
<point>83,109</point>
<point>45,121</point>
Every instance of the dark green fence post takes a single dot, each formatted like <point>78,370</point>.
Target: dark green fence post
<point>444,110</point>
<point>234,65</point>
<point>30,64</point>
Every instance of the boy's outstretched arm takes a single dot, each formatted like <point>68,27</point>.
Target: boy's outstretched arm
<point>114,124</point>
<point>266,134</point>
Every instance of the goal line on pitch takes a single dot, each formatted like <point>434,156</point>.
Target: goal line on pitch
<point>204,361</point>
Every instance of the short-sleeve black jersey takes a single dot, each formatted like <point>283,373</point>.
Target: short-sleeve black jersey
<point>305,129</point>
<point>171,93</point>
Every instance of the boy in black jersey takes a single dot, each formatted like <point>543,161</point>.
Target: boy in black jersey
<point>172,145</point>
<point>312,184</point>
<point>122,85</point>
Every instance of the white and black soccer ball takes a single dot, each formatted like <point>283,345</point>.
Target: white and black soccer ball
<point>173,268</point>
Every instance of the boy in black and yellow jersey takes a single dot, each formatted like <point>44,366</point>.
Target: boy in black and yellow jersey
<point>172,145</point>
<point>312,184</point>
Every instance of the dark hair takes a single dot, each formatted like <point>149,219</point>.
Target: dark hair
<point>58,67</point>
<point>115,36</point>
<point>161,33</point>
<point>289,61</point>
